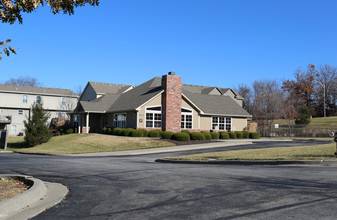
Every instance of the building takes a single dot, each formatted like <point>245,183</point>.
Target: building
<point>160,103</point>
<point>16,103</point>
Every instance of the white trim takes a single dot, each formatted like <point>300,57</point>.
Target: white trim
<point>212,114</point>
<point>138,108</point>
<point>225,123</point>
<point>154,112</point>
<point>184,96</point>
<point>131,87</point>
<point>198,121</point>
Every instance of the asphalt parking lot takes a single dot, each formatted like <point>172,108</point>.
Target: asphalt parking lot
<point>135,187</point>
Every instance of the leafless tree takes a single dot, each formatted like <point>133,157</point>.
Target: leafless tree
<point>246,92</point>
<point>23,81</point>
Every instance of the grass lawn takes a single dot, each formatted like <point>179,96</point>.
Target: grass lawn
<point>317,152</point>
<point>319,121</point>
<point>85,143</point>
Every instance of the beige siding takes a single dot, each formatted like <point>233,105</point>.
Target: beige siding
<point>186,105</point>
<point>232,95</point>
<point>238,124</point>
<point>141,113</point>
<point>205,122</point>
<point>89,94</point>
<point>215,91</point>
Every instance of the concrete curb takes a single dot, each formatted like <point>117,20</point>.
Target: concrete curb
<point>39,197</point>
<point>253,162</point>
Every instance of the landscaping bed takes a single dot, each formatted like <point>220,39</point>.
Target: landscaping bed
<point>10,188</point>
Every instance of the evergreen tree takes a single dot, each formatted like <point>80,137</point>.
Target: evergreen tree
<point>37,131</point>
<point>303,116</point>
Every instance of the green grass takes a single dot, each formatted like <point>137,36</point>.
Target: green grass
<point>319,121</point>
<point>85,143</point>
<point>317,152</point>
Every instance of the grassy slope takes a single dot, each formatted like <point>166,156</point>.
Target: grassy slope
<point>317,152</point>
<point>85,143</point>
<point>321,121</point>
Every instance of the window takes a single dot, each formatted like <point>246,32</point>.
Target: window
<point>24,98</point>
<point>222,123</point>
<point>38,99</point>
<point>153,117</point>
<point>63,100</point>
<point>119,120</point>
<point>20,111</point>
<point>186,118</point>
<point>13,129</point>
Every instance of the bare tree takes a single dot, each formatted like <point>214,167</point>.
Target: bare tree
<point>23,81</point>
<point>79,90</point>
<point>246,92</point>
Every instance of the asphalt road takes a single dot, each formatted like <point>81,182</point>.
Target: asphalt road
<point>135,187</point>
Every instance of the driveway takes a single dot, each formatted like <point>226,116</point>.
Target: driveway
<point>135,187</point>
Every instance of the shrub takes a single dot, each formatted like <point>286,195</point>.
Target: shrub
<point>104,130</point>
<point>224,135</point>
<point>232,135</point>
<point>181,136</point>
<point>61,131</point>
<point>69,131</point>
<point>254,135</point>
<point>109,131</point>
<point>117,131</point>
<point>187,132</point>
<point>215,135</point>
<point>145,132</point>
<point>197,136</point>
<point>136,133</point>
<point>239,134</point>
<point>245,134</point>
<point>167,134</point>
<point>127,131</point>
<point>154,133</point>
<point>160,132</point>
<point>207,135</point>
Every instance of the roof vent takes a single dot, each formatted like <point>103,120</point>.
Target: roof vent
<point>172,73</point>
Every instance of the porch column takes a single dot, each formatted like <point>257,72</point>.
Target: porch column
<point>79,123</point>
<point>87,124</point>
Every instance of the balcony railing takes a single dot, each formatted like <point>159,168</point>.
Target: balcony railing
<point>5,119</point>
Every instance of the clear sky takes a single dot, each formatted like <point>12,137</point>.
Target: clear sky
<point>208,42</point>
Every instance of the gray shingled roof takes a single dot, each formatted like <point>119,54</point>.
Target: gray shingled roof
<point>108,88</point>
<point>132,99</point>
<point>36,90</point>
<point>216,104</point>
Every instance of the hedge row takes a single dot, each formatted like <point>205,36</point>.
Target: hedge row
<point>184,135</point>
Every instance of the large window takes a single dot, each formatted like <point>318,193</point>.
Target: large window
<point>153,117</point>
<point>24,98</point>
<point>119,120</point>
<point>186,118</point>
<point>38,99</point>
<point>222,123</point>
<point>63,100</point>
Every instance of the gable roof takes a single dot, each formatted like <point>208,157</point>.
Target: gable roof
<point>108,88</point>
<point>216,104</point>
<point>36,90</point>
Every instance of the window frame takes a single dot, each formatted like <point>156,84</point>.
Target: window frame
<point>38,99</point>
<point>225,123</point>
<point>116,123</point>
<point>63,101</point>
<point>24,98</point>
<point>183,115</point>
<point>20,111</point>
<point>153,113</point>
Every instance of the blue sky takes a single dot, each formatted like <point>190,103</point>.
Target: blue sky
<point>208,42</point>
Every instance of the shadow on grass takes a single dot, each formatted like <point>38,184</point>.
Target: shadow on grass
<point>17,145</point>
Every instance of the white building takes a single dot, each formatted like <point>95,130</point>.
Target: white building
<point>16,102</point>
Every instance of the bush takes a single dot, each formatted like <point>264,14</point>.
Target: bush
<point>154,133</point>
<point>167,134</point>
<point>127,131</point>
<point>197,136</point>
<point>187,132</point>
<point>181,136</point>
<point>104,130</point>
<point>117,131</point>
<point>254,135</point>
<point>232,135</point>
<point>215,135</point>
<point>69,131</point>
<point>160,132</point>
<point>224,135</point>
<point>109,131</point>
<point>145,132</point>
<point>61,131</point>
<point>136,133</point>
<point>239,134</point>
<point>245,134</point>
<point>207,135</point>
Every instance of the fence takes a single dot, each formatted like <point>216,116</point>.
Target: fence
<point>298,131</point>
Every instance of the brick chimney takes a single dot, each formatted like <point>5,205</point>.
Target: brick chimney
<point>171,102</point>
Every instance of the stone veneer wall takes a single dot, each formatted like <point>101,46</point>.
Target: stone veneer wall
<point>171,103</point>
